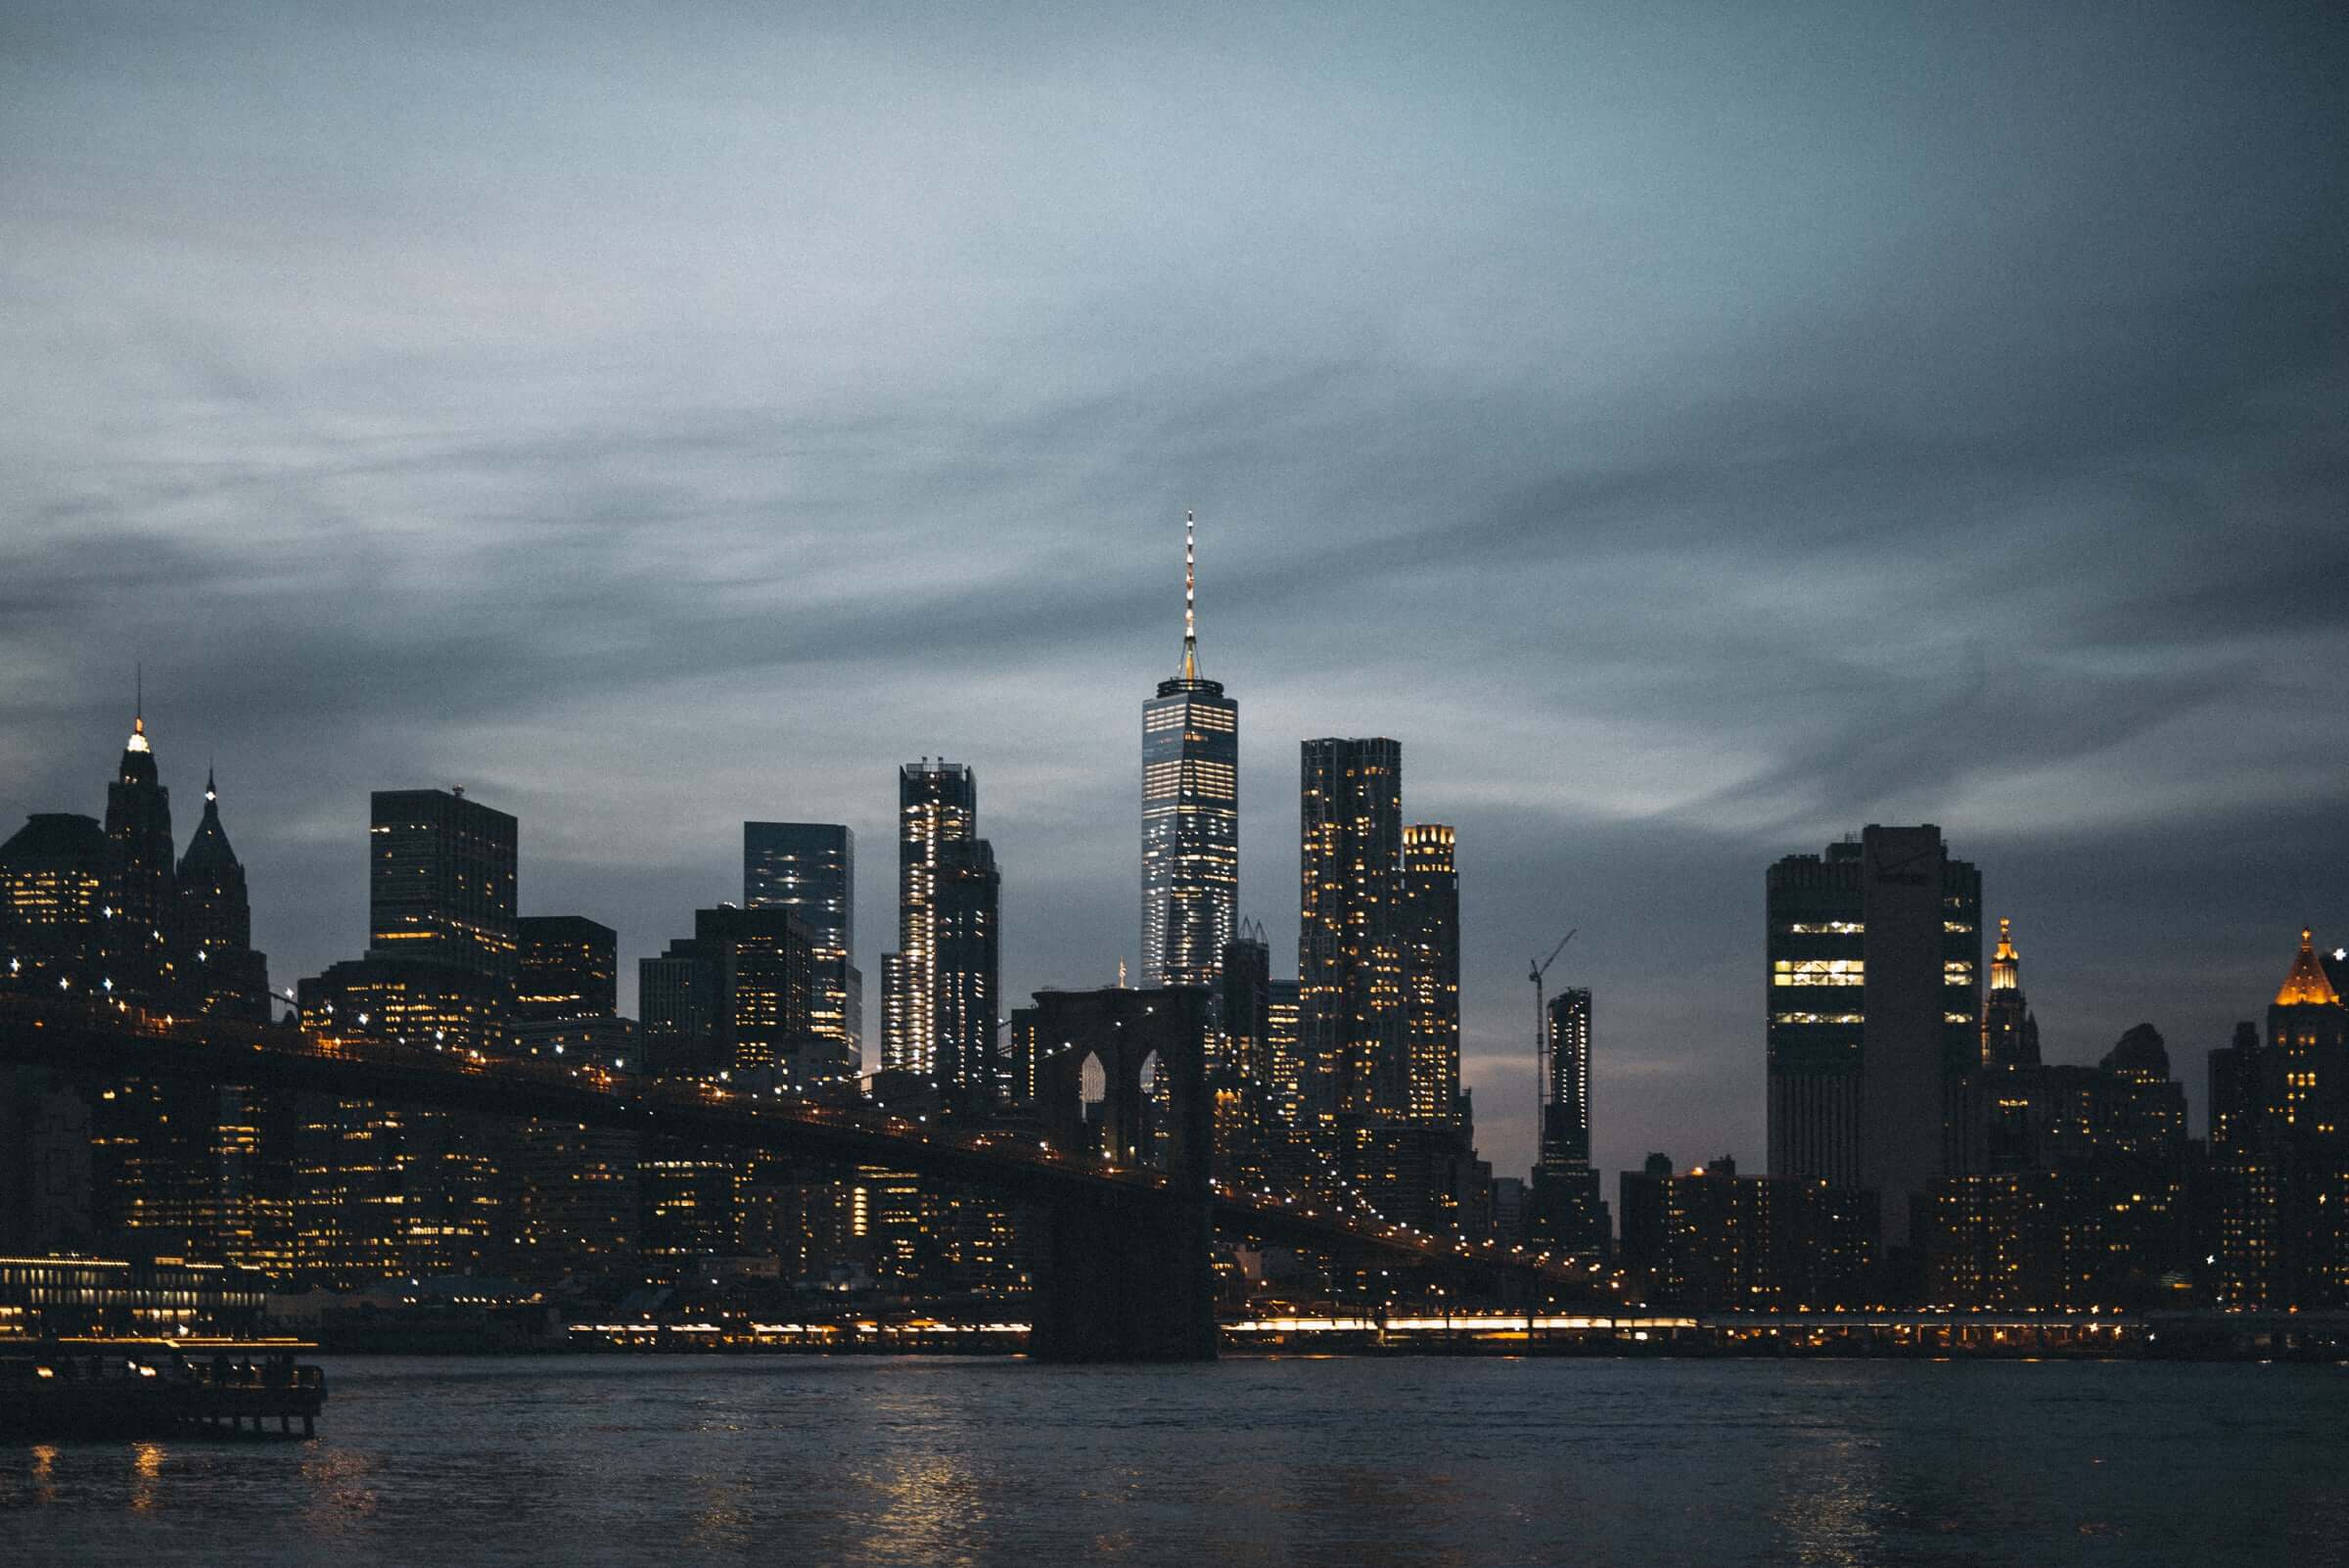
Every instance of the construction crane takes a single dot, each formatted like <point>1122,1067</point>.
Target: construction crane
<point>1545,1091</point>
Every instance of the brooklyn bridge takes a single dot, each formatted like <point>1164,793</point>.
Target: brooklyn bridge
<point>1124,1261</point>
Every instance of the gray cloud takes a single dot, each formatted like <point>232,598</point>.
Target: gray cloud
<point>1693,434</point>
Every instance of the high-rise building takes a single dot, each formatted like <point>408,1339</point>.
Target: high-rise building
<point>2308,1038</point>
<point>969,893</point>
<point>566,966</point>
<point>811,869</point>
<point>139,905</point>
<point>1350,957</point>
<point>227,976</point>
<point>1431,935</point>
<point>1191,812</point>
<point>1565,1210</point>
<point>677,1006</point>
<point>441,881</point>
<point>2010,1033</point>
<point>1284,1052</point>
<point>938,805</point>
<point>764,968</point>
<point>1874,1013</point>
<point>51,882</point>
<point>1566,1100</point>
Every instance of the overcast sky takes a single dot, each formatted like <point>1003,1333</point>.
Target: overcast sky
<point>1693,433</point>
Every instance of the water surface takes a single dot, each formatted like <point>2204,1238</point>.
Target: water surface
<point>1368,1462</point>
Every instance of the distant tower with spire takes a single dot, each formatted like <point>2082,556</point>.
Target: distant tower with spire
<point>1190,809</point>
<point>139,905</point>
<point>227,976</point>
<point>2010,1033</point>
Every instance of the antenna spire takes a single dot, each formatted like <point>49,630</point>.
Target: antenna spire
<point>1191,595</point>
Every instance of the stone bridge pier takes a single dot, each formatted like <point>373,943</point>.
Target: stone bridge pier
<point>1126,1274</point>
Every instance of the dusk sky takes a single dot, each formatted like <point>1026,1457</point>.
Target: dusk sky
<point>1693,433</point>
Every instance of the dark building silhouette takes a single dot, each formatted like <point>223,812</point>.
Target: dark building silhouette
<point>440,882</point>
<point>566,966</point>
<point>52,878</point>
<point>1190,814</point>
<point>215,915</point>
<point>968,924</point>
<point>2279,1150</point>
<point>1714,1238</point>
<point>2010,1033</point>
<point>1874,1015</point>
<point>811,869</point>
<point>1564,1210</point>
<point>2085,1201</point>
<point>139,905</point>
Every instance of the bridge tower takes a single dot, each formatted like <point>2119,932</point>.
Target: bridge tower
<point>1125,1275</point>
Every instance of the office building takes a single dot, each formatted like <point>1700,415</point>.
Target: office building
<point>1431,938</point>
<point>811,869</point>
<point>566,966</point>
<point>968,894</point>
<point>441,881</point>
<point>938,805</point>
<point>1350,954</point>
<point>52,880</point>
<point>1875,1014</point>
<point>1191,812</point>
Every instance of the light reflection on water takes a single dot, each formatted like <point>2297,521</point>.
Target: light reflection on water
<point>1362,1464</point>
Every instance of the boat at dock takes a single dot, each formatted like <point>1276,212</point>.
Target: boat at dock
<point>147,1388</point>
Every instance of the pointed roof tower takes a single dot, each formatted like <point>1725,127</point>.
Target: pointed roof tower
<point>2307,986</point>
<point>2005,964</point>
<point>208,850</point>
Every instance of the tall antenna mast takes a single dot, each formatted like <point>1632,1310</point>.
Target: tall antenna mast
<point>1191,595</point>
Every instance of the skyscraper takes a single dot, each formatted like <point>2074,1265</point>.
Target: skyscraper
<point>1564,1210</point>
<point>2010,1033</point>
<point>1190,811</point>
<point>228,976</point>
<point>1566,1100</point>
<point>938,805</point>
<point>1874,1009</point>
<point>1349,962</point>
<point>441,881</point>
<point>968,891</point>
<point>139,905</point>
<point>811,869</point>
<point>1431,935</point>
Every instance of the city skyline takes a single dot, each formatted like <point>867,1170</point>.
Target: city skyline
<point>1693,444</point>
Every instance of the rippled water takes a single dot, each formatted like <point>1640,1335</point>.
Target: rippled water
<point>1353,1462</point>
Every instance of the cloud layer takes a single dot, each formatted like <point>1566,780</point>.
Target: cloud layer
<point>1692,435</point>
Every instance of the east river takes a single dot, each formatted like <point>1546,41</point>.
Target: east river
<point>1353,1462</point>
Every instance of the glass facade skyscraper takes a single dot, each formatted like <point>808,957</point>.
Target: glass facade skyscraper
<point>938,806</point>
<point>811,869</point>
<point>1191,812</point>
